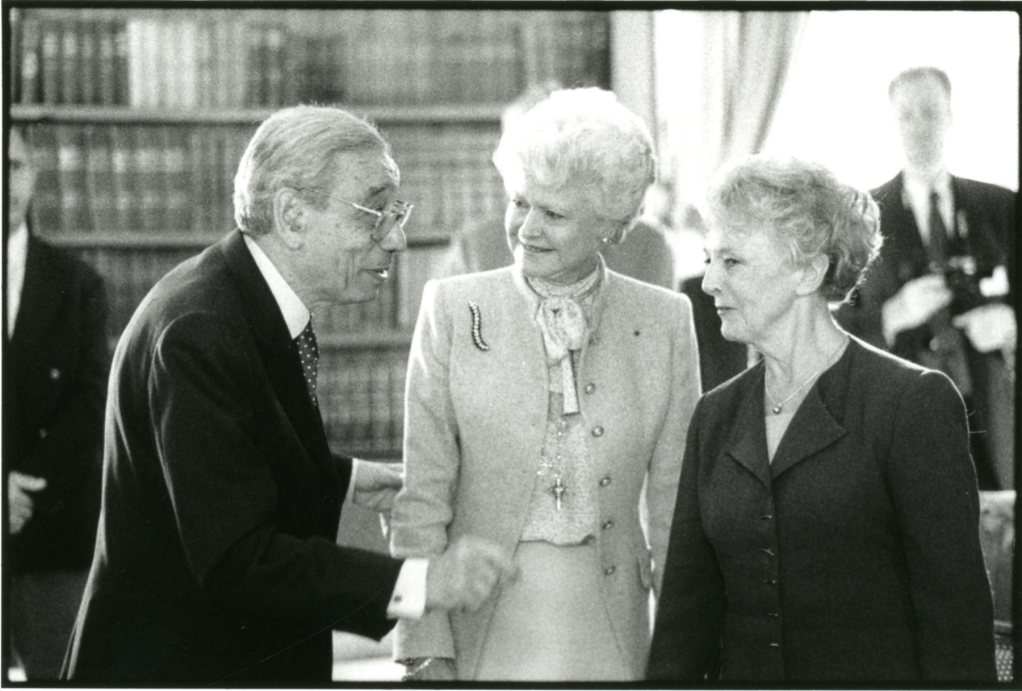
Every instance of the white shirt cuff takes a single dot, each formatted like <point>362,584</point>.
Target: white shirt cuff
<point>409,598</point>
<point>349,498</point>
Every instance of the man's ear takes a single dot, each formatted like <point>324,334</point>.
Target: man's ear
<point>813,275</point>
<point>289,217</point>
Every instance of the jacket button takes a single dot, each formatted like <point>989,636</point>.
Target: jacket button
<point>54,374</point>
<point>43,432</point>
<point>604,481</point>
<point>597,431</point>
<point>775,644</point>
<point>590,388</point>
<point>769,552</point>
<point>766,517</point>
<point>594,339</point>
<point>770,581</point>
<point>608,525</point>
<point>609,571</point>
<point>774,615</point>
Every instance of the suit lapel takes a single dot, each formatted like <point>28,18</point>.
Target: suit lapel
<point>747,444</point>
<point>40,297</point>
<point>815,425</point>
<point>275,346</point>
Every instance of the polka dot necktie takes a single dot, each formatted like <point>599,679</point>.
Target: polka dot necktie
<point>308,354</point>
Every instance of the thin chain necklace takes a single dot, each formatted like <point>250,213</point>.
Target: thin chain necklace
<point>778,408</point>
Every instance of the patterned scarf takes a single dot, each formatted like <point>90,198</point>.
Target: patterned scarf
<point>563,321</point>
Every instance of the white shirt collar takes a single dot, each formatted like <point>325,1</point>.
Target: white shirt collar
<point>296,314</point>
<point>17,256</point>
<point>916,195</point>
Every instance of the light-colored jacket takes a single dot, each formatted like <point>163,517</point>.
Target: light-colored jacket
<point>475,419</point>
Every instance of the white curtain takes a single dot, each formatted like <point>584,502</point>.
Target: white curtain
<point>719,76</point>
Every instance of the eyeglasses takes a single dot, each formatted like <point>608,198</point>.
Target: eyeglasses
<point>396,213</point>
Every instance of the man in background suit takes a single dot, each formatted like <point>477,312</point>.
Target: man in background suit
<point>936,294</point>
<point>55,368</point>
<point>216,561</point>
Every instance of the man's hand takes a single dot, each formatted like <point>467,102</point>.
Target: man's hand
<point>376,484</point>
<point>914,304</point>
<point>19,498</point>
<point>989,327</point>
<point>467,573</point>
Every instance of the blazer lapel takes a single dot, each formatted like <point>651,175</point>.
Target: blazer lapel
<point>815,425</point>
<point>275,346</point>
<point>39,297</point>
<point>747,444</point>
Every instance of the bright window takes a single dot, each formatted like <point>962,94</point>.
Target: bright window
<point>834,106</point>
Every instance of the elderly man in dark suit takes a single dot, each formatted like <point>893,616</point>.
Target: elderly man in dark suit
<point>936,295</point>
<point>216,560</point>
<point>55,368</point>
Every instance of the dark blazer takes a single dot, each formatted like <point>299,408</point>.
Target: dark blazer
<point>853,557</point>
<point>55,369</point>
<point>719,358</point>
<point>985,227</point>
<point>216,560</point>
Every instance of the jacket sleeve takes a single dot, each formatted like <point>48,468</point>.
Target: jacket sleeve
<point>424,507</point>
<point>933,487</point>
<point>665,464</point>
<point>690,610</point>
<point>224,495</point>
<point>69,456</point>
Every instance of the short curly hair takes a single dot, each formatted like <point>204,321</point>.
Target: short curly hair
<point>807,209</point>
<point>582,137</point>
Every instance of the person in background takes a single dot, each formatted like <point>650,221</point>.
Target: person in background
<point>481,245</point>
<point>54,386</point>
<point>937,295</point>
<point>826,528</point>
<point>217,561</point>
<point>541,398</point>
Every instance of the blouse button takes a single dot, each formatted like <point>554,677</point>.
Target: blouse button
<point>597,431</point>
<point>609,571</point>
<point>590,388</point>
<point>605,481</point>
<point>608,525</point>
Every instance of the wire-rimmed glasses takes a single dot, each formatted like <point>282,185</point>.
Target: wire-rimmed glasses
<point>395,213</point>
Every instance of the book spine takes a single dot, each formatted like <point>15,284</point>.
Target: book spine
<point>99,182</point>
<point>106,71</point>
<point>71,74</point>
<point>46,203</point>
<point>89,67</point>
<point>122,72</point>
<point>71,174</point>
<point>30,61</point>
<point>50,48</point>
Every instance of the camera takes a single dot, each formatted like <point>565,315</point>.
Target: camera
<point>962,280</point>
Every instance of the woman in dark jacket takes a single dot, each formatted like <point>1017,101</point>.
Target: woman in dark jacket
<point>826,526</point>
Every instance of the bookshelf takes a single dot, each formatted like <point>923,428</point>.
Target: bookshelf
<point>138,117</point>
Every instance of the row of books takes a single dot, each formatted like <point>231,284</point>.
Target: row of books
<point>361,398</point>
<point>177,59</point>
<point>130,272</point>
<point>147,178</point>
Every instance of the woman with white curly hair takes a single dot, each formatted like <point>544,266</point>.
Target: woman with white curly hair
<point>826,525</point>
<point>541,399</point>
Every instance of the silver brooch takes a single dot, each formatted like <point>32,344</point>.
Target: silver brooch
<point>477,325</point>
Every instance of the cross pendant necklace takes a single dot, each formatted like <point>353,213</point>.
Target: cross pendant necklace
<point>558,490</point>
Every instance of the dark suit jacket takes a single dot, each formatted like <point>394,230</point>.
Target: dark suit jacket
<point>216,560</point>
<point>989,227</point>
<point>853,557</point>
<point>719,358</point>
<point>55,369</point>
